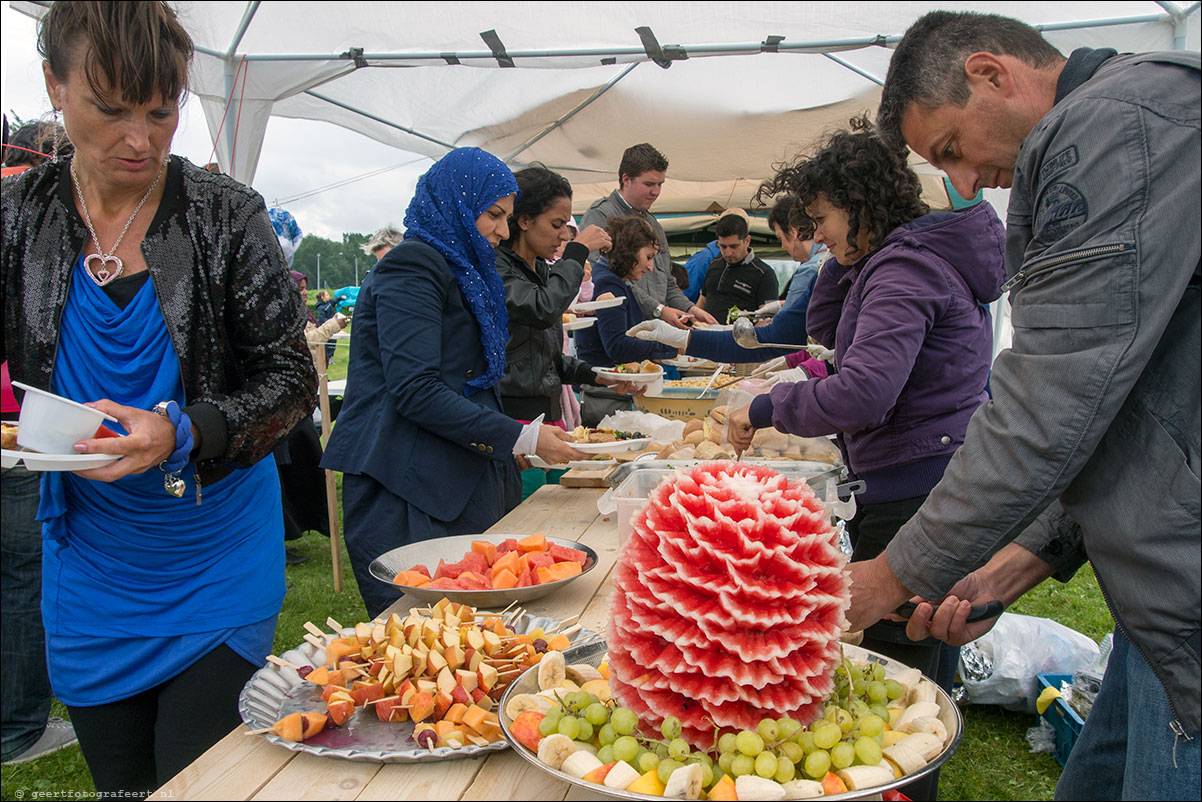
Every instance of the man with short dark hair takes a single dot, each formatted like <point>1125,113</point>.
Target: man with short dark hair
<point>1090,448</point>
<point>782,219</point>
<point>641,175</point>
<point>737,278</point>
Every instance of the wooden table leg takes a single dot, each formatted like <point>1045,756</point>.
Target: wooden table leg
<point>323,400</point>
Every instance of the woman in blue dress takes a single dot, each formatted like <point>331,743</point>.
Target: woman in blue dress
<point>422,440</point>
<point>137,281</point>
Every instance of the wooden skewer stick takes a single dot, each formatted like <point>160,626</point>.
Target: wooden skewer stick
<point>572,630</point>
<point>335,625</point>
<point>385,699</point>
<point>259,731</point>
<point>561,623</point>
<point>316,630</point>
<point>314,641</point>
<point>279,661</point>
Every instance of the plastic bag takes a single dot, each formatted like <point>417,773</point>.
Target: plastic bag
<point>1042,738</point>
<point>659,429</point>
<point>999,667</point>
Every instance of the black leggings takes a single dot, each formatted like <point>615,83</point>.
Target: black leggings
<point>873,526</point>
<point>135,745</point>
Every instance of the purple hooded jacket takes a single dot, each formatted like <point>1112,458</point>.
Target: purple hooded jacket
<point>912,341</point>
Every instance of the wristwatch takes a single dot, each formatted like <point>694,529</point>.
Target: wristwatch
<point>659,310</point>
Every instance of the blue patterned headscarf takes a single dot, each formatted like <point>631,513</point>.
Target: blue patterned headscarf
<point>460,187</point>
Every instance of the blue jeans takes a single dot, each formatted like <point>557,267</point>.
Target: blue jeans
<point>24,684</point>
<point>1127,750</point>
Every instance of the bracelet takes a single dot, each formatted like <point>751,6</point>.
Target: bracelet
<point>178,460</point>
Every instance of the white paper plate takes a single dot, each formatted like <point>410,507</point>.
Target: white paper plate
<point>635,378</point>
<point>593,306</point>
<point>57,462</point>
<point>574,465</point>
<point>615,447</point>
<point>579,323</point>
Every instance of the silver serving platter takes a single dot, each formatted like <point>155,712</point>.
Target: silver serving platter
<point>593,653</point>
<point>452,549</point>
<point>275,691</point>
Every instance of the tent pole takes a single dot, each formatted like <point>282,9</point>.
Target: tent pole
<point>855,69</point>
<point>247,16</point>
<point>380,120</point>
<point>529,142</point>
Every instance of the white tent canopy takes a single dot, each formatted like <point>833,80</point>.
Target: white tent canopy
<point>723,89</point>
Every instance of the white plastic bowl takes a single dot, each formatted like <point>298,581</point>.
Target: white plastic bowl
<point>52,424</point>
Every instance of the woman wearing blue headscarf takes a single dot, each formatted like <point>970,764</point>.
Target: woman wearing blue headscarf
<point>422,441</point>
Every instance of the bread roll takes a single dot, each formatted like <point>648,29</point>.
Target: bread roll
<point>695,425</point>
<point>719,413</point>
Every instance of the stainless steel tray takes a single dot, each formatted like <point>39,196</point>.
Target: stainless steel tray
<point>594,653</point>
<point>275,691</point>
<point>816,473</point>
<point>452,549</point>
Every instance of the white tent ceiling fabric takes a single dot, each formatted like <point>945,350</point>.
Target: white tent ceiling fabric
<point>723,120</point>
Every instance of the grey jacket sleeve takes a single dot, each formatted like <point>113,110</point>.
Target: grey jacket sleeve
<point>1095,230</point>
<point>595,216</point>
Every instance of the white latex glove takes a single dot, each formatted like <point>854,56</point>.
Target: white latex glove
<point>788,376</point>
<point>770,308</point>
<point>660,331</point>
<point>820,353</point>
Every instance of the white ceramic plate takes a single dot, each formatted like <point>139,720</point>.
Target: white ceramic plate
<point>57,462</point>
<point>614,447</point>
<point>579,323</point>
<point>635,378</point>
<point>593,306</point>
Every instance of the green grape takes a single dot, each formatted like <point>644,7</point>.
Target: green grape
<point>678,749</point>
<point>554,715</point>
<point>868,751</point>
<point>587,699</point>
<point>817,764</point>
<point>768,730</point>
<point>606,734</point>
<point>548,726</point>
<point>742,765</point>
<point>647,762</point>
<point>785,771</point>
<point>571,702</point>
<point>701,757</point>
<point>596,714</point>
<point>605,754</point>
<point>717,774</point>
<point>726,743</point>
<point>844,720</point>
<point>843,755</point>
<point>893,689</point>
<point>661,750</point>
<point>858,709</point>
<point>707,776</point>
<point>841,672</point>
<point>624,721</point>
<point>586,730</point>
<point>569,726</point>
<point>665,769</point>
<point>880,711</point>
<point>749,743</point>
<point>788,727</point>
<point>877,692</point>
<point>792,751</point>
<point>670,728</point>
<point>858,687</point>
<point>878,672</point>
<point>805,739</point>
<point>872,725</point>
<point>725,761</point>
<point>765,765</point>
<point>626,748</point>
<point>826,734</point>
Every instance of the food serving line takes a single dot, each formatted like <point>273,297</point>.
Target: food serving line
<point>249,767</point>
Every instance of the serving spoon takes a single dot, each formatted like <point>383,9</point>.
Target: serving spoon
<point>744,336</point>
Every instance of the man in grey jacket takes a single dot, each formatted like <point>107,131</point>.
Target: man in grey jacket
<point>1090,447</point>
<point>641,175</point>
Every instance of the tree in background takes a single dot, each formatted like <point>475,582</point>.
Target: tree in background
<point>337,260</point>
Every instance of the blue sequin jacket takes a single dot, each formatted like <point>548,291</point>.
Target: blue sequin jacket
<point>229,303</point>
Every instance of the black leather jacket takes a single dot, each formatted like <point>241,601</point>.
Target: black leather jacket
<point>536,300</point>
<point>231,308</point>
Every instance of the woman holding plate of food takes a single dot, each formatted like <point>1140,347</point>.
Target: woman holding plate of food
<point>422,438</point>
<point>157,292</point>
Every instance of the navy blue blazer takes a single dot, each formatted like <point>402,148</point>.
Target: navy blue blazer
<point>605,344</point>
<point>405,420</point>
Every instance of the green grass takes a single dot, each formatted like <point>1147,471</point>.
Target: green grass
<point>993,761</point>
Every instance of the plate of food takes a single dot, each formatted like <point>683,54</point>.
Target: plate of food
<point>606,300</point>
<point>484,570</point>
<point>644,372</point>
<point>573,323</point>
<point>603,440</point>
<point>633,759</point>
<point>413,688</point>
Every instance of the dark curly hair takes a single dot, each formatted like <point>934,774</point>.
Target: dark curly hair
<point>630,235</point>
<point>538,188</point>
<point>858,173</point>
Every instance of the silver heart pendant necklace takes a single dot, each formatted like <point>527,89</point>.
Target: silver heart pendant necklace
<point>102,274</point>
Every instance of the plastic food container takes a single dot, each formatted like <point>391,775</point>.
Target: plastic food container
<point>51,424</point>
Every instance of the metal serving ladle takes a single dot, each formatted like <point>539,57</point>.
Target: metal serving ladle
<point>744,335</point>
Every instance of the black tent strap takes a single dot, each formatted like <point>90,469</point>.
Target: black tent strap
<point>450,58</point>
<point>663,57</point>
<point>498,49</point>
<point>771,44</point>
<point>355,54</point>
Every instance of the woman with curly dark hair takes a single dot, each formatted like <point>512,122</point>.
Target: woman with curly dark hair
<point>632,255</point>
<point>903,305</point>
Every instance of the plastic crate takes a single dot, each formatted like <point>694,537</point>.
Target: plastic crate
<point>1062,717</point>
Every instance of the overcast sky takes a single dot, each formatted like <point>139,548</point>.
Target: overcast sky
<point>299,156</point>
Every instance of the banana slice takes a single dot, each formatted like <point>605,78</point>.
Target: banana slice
<point>909,679</point>
<point>857,777</point>
<point>581,673</point>
<point>684,783</point>
<point>926,744</point>
<point>580,763</point>
<point>802,789</point>
<point>522,702</point>
<point>599,688</point>
<point>551,671</point>
<point>749,786</point>
<point>620,776</point>
<point>555,749</point>
<point>904,757</point>
<point>930,725</point>
<point>924,691</point>
<point>915,711</point>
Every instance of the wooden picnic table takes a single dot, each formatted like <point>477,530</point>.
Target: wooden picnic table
<point>246,767</point>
